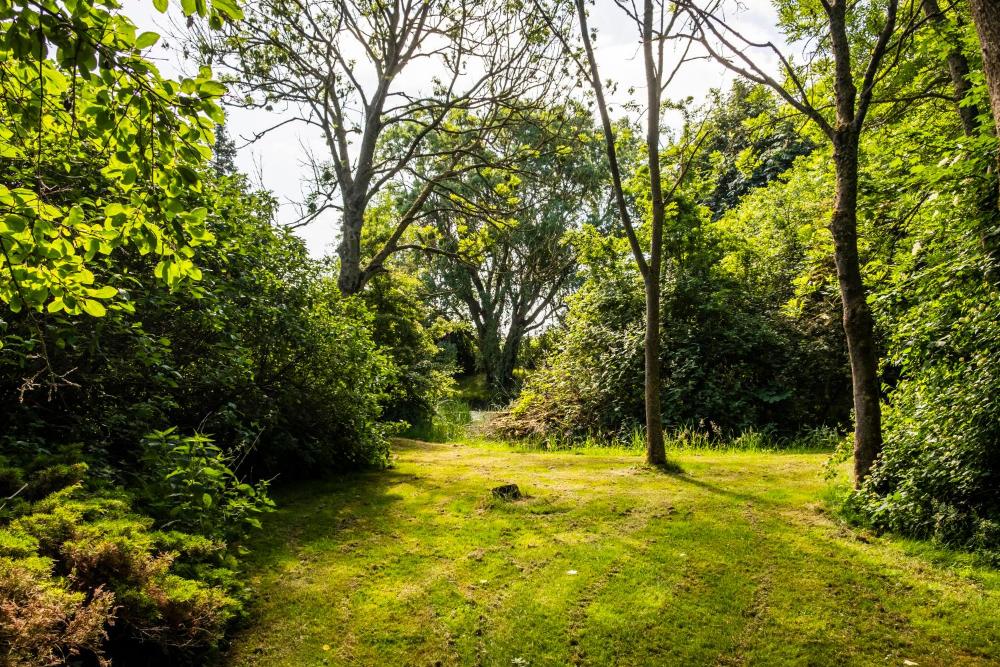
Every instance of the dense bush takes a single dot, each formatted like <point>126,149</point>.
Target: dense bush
<point>929,245</point>
<point>407,330</point>
<point>730,361</point>
<point>88,568</point>
<point>940,469</point>
<point>149,297</point>
<point>263,353</point>
<point>187,483</point>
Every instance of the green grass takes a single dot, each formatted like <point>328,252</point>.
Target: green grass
<point>735,562</point>
<point>448,423</point>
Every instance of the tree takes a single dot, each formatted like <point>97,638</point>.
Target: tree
<point>750,142</point>
<point>958,67</point>
<point>986,16</point>
<point>655,26</point>
<point>223,152</point>
<point>351,69</point>
<point>852,94</point>
<point>99,154</point>
<point>500,256</point>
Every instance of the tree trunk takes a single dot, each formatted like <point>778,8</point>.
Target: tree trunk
<point>489,352</point>
<point>858,322</point>
<point>986,16</point>
<point>349,250</point>
<point>508,355</point>
<point>958,70</point>
<point>655,452</point>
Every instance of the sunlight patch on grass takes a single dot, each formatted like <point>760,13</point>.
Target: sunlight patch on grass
<point>736,561</point>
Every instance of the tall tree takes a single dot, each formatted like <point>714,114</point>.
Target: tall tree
<point>750,143</point>
<point>353,70</point>
<point>501,259</point>
<point>656,25</point>
<point>508,285</point>
<point>958,66</point>
<point>959,74</point>
<point>860,58</point>
<point>986,16</point>
<point>223,152</point>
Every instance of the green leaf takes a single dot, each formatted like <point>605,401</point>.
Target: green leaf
<point>189,175</point>
<point>206,499</point>
<point>161,5</point>
<point>161,270</point>
<point>215,112</point>
<point>230,8</point>
<point>105,292</point>
<point>212,88</point>
<point>75,216</point>
<point>94,308</point>
<point>146,40</point>
<point>13,223</point>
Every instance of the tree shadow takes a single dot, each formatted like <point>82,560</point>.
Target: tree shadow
<point>722,491</point>
<point>323,510</point>
<point>668,467</point>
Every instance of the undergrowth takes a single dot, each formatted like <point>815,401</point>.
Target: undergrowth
<point>685,439</point>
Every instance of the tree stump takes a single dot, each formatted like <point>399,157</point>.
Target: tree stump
<point>507,492</point>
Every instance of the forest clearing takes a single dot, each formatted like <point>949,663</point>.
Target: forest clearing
<point>606,562</point>
<point>499,332</point>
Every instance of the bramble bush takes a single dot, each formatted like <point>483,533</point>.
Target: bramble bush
<point>940,469</point>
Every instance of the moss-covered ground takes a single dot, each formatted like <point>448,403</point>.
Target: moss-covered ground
<point>737,561</point>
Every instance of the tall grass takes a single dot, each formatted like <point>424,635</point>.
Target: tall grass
<point>448,423</point>
<point>691,440</point>
<point>754,440</point>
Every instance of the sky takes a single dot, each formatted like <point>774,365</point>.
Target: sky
<point>277,162</point>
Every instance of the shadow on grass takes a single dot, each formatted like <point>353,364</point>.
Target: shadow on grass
<point>667,468</point>
<point>728,493</point>
<point>324,509</point>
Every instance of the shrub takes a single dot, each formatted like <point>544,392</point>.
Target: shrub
<point>187,484</point>
<point>404,327</point>
<point>263,353</point>
<point>940,468</point>
<point>42,622</point>
<point>95,570</point>
<point>728,367</point>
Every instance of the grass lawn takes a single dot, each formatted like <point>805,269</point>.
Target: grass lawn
<point>606,562</point>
